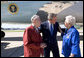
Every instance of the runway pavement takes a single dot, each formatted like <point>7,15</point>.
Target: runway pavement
<point>12,45</point>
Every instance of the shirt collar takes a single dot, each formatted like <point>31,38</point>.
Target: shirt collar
<point>70,29</point>
<point>35,27</point>
<point>49,22</point>
<point>32,25</point>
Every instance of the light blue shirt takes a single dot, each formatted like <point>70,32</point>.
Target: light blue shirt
<point>71,42</point>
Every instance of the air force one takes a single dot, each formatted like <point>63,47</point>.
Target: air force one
<point>22,11</point>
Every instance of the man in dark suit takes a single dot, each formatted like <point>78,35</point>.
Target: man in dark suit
<point>49,32</point>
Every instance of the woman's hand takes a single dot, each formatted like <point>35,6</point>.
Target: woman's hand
<point>43,45</point>
<point>72,55</point>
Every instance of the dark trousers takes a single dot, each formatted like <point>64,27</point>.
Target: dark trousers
<point>53,48</point>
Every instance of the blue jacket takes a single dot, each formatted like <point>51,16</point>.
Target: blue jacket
<point>71,42</point>
<point>47,37</point>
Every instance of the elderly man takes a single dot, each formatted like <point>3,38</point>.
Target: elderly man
<point>71,40</point>
<point>33,45</point>
<point>49,31</point>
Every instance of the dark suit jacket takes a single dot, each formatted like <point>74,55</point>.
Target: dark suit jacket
<point>47,37</point>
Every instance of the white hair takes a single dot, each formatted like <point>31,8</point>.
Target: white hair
<point>70,19</point>
<point>34,17</point>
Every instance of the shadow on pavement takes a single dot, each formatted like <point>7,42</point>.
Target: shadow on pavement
<point>3,45</point>
<point>12,39</point>
<point>12,52</point>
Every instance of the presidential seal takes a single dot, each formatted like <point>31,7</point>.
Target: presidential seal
<point>13,8</point>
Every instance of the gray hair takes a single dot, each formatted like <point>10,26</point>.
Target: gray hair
<point>70,19</point>
<point>51,15</point>
<point>34,17</point>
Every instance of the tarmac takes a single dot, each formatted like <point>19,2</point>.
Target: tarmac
<point>12,45</point>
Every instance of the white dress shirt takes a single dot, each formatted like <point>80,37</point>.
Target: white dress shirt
<point>50,25</point>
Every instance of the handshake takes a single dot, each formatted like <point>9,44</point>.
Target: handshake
<point>43,45</point>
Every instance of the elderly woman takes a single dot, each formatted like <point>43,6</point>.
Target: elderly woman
<point>71,40</point>
<point>33,44</point>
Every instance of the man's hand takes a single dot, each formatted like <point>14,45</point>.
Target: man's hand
<point>43,45</point>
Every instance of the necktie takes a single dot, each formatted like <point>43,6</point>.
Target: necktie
<point>51,29</point>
